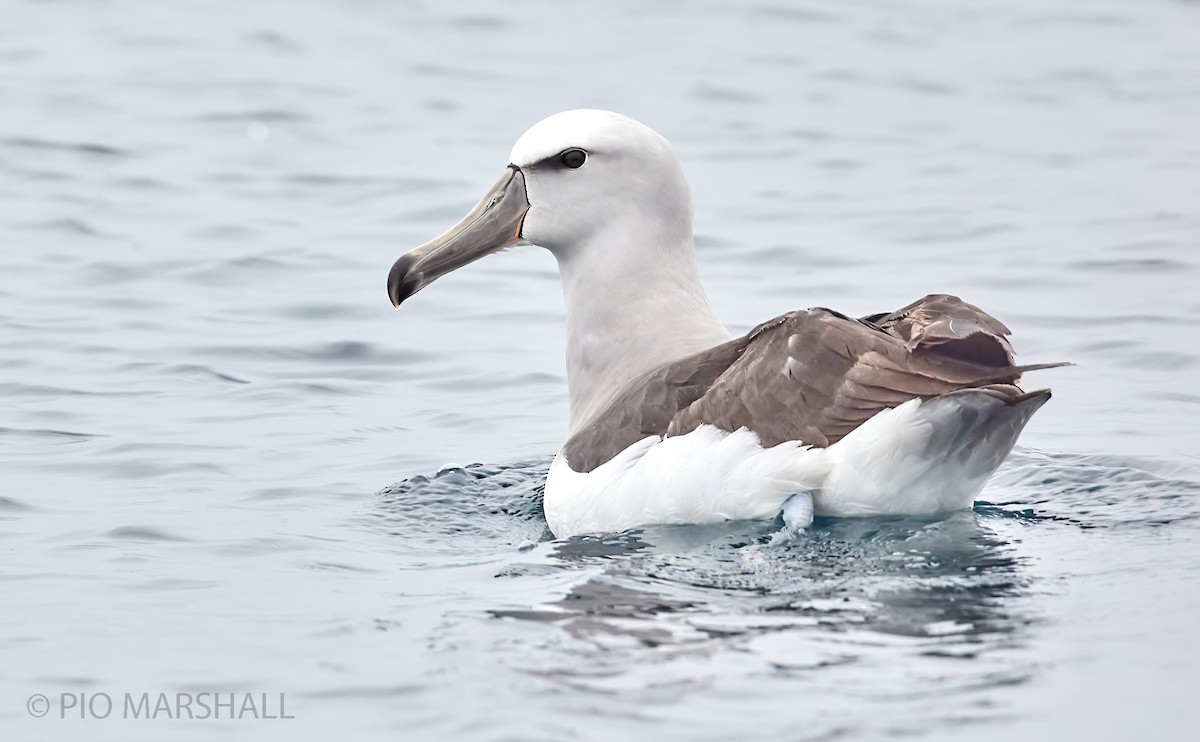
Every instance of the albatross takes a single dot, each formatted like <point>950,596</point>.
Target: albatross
<point>672,419</point>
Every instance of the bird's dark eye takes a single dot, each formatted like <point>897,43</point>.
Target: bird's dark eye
<point>573,158</point>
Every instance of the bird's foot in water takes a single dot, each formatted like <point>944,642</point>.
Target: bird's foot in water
<point>797,514</point>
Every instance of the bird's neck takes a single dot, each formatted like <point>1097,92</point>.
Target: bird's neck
<point>632,305</point>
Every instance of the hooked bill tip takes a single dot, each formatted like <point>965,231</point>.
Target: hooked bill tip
<point>402,282</point>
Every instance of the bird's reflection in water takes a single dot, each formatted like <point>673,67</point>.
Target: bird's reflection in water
<point>949,580</point>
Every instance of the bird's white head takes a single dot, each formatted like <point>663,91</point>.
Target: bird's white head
<point>588,171</point>
<point>575,180</point>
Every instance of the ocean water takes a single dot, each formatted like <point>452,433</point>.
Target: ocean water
<point>228,466</point>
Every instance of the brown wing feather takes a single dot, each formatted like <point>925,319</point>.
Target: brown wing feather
<point>648,404</point>
<point>949,326</point>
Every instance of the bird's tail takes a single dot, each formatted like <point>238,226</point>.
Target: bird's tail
<point>978,427</point>
<point>927,456</point>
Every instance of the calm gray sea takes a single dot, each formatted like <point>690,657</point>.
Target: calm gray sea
<point>228,466</point>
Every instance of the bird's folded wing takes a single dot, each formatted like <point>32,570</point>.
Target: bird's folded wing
<point>817,374</point>
<point>812,376</point>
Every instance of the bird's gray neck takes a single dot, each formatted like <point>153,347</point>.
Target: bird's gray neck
<point>631,307</point>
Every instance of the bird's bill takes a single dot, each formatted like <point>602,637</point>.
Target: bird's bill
<point>494,224</point>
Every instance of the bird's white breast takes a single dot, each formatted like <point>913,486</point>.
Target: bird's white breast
<point>706,476</point>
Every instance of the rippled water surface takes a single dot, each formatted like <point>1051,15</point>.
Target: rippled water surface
<point>227,465</point>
